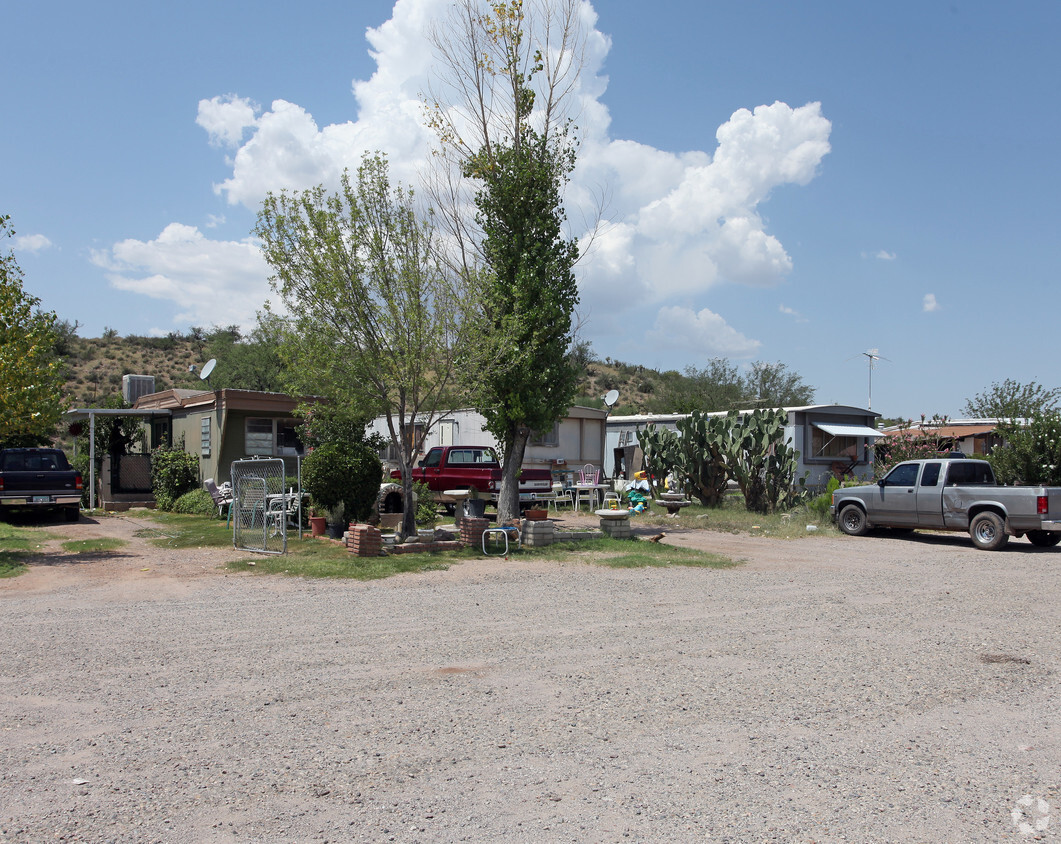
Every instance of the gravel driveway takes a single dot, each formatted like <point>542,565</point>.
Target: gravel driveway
<point>827,689</point>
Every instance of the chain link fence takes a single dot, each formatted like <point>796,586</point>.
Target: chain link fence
<point>260,506</point>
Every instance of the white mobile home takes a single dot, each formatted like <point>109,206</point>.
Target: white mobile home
<point>830,438</point>
<point>574,441</point>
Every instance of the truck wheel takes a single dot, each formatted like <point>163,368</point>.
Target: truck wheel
<point>988,532</point>
<point>853,521</point>
<point>1044,538</point>
<point>72,514</point>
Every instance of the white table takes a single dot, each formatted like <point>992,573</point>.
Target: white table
<point>596,491</point>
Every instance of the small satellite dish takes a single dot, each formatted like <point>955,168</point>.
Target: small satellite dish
<point>208,367</point>
<point>611,397</point>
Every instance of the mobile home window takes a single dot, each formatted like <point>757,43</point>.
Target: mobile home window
<point>259,438</point>
<point>550,437</point>
<point>204,436</point>
<point>826,445</point>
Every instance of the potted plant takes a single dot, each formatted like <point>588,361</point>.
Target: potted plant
<point>426,512</point>
<point>317,523</point>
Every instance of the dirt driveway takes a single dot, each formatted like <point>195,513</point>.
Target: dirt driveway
<point>828,689</point>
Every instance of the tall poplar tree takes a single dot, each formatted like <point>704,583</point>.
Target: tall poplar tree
<point>512,68</point>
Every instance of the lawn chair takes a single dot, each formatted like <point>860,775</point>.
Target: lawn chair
<point>222,496</point>
<point>561,495</point>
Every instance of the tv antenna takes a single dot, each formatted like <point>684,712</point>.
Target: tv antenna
<point>871,356</point>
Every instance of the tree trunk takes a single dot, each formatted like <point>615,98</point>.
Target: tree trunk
<point>408,504</point>
<point>508,495</point>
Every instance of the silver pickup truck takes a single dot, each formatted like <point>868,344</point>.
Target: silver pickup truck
<point>952,493</point>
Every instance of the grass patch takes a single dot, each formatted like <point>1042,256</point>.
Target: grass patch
<point>322,559</point>
<point>18,546</point>
<point>313,558</point>
<point>627,554</point>
<point>90,546</point>
<point>181,531</point>
<point>731,517</point>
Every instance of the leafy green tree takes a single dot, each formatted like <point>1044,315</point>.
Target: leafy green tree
<point>508,133</point>
<point>1011,399</point>
<point>248,363</point>
<point>375,320</point>
<point>31,375</point>
<point>718,386</point>
<point>1032,451</point>
<point>774,385</point>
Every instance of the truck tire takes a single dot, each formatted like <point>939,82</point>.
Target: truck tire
<point>853,521</point>
<point>1044,538</point>
<point>988,532</point>
<point>72,513</point>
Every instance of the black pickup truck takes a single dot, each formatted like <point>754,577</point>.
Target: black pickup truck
<point>39,479</point>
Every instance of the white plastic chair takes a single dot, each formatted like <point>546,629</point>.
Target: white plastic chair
<point>562,496</point>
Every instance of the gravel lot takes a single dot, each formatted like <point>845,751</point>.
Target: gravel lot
<point>827,689</point>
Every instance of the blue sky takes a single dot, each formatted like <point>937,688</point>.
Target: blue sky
<point>795,182</point>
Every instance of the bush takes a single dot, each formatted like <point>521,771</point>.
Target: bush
<point>195,503</point>
<point>173,473</point>
<point>821,504</point>
<point>426,510</point>
<point>343,478</point>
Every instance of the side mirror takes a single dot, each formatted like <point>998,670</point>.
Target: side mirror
<point>420,465</point>
<point>880,483</point>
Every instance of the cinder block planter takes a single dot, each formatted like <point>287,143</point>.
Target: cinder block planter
<point>538,534</point>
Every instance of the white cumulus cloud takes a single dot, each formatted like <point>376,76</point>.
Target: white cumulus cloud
<point>678,224</point>
<point>226,118</point>
<point>702,334</point>
<point>929,303</point>
<point>31,243</point>
<point>211,282</point>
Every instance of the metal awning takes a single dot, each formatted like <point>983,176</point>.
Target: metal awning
<point>838,430</point>
<point>91,413</point>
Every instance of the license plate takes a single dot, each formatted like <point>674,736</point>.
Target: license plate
<point>42,499</point>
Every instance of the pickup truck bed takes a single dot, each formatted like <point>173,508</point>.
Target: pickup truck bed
<point>39,479</point>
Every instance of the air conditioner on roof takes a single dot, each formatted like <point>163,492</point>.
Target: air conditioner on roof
<point>134,386</point>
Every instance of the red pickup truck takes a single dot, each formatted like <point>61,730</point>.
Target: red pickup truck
<point>447,467</point>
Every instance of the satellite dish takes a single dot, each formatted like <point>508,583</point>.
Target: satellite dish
<point>611,397</point>
<point>208,367</point>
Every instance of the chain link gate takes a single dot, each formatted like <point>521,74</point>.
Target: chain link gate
<point>259,506</point>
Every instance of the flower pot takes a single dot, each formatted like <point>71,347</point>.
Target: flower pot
<point>317,525</point>
<point>536,515</point>
<point>336,530</point>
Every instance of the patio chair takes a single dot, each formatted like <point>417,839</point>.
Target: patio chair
<point>222,497</point>
<point>562,495</point>
<point>590,474</point>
